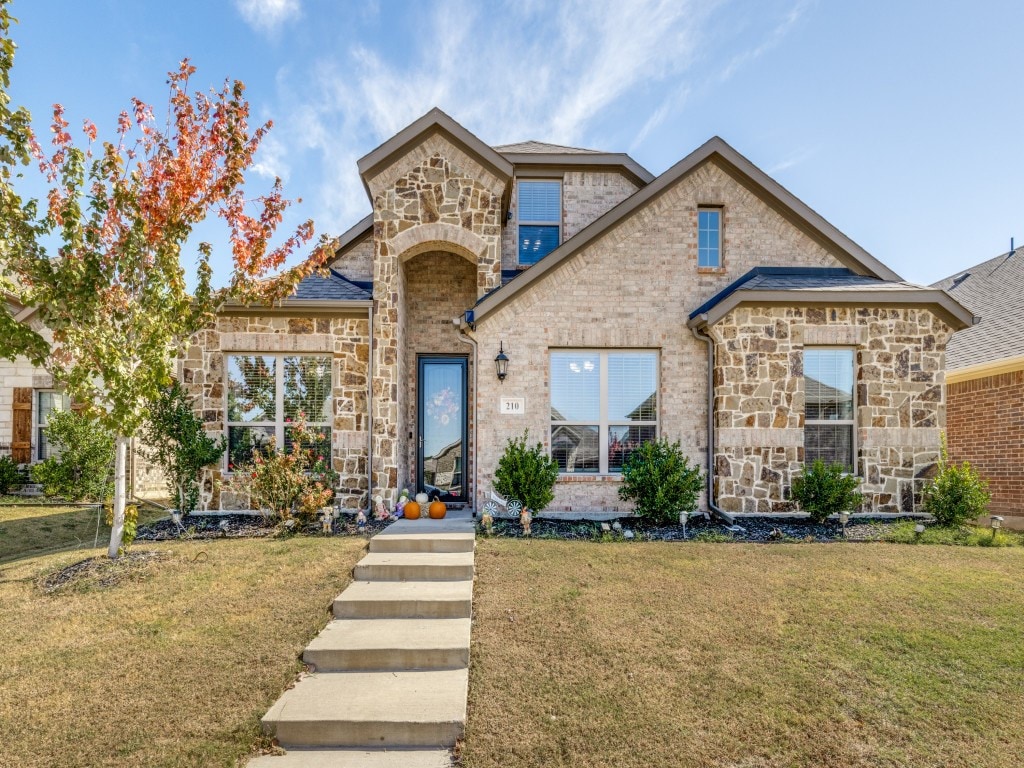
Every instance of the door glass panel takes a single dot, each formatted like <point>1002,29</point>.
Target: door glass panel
<point>442,420</point>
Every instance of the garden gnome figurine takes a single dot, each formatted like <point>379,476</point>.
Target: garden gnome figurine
<point>326,518</point>
<point>380,512</point>
<point>361,521</point>
<point>403,499</point>
<point>525,519</point>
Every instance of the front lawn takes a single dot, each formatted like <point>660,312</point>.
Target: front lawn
<point>28,528</point>
<point>752,656</point>
<point>174,665</point>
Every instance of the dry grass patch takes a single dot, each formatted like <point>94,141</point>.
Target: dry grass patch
<point>173,666</point>
<point>27,530</point>
<point>746,656</point>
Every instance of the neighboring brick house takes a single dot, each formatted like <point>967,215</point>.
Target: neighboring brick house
<point>985,378</point>
<point>28,395</point>
<point>606,288</point>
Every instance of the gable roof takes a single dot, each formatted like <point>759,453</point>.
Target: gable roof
<point>435,121</point>
<point>769,190</point>
<point>334,287</point>
<point>824,285</point>
<point>994,290</point>
<point>353,235</point>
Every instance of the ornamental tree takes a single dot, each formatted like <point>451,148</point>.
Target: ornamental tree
<point>115,296</point>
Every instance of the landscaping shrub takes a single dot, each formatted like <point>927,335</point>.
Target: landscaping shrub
<point>527,474</point>
<point>826,489</point>
<point>9,475</point>
<point>178,444</point>
<point>288,483</point>
<point>84,462</point>
<point>957,495</point>
<point>658,478</point>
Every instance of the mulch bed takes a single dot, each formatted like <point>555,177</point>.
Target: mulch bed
<point>101,572</point>
<point>746,529</point>
<point>245,526</point>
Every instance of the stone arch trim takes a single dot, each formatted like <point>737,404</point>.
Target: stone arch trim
<point>438,236</point>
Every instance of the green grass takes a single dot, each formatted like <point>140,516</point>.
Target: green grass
<point>959,536</point>
<point>747,655</point>
<point>172,667</point>
<point>28,529</point>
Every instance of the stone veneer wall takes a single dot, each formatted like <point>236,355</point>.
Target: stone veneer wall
<point>346,338</point>
<point>439,286</point>
<point>586,196</point>
<point>435,198</point>
<point>633,288</point>
<point>759,400</point>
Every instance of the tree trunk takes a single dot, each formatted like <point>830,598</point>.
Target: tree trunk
<point>117,529</point>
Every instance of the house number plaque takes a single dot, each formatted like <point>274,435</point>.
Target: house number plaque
<point>513,406</point>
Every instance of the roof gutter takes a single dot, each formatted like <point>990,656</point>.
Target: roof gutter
<point>712,507</point>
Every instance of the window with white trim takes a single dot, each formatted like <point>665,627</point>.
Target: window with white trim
<point>266,393</point>
<point>604,405</point>
<point>47,402</point>
<point>539,208</point>
<point>829,413</point>
<point>709,237</point>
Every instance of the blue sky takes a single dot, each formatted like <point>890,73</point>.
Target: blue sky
<point>899,122</point>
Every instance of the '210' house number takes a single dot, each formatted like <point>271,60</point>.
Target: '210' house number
<point>513,406</point>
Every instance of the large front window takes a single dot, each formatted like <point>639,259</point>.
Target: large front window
<point>828,406</point>
<point>603,406</point>
<point>540,219</point>
<point>266,395</point>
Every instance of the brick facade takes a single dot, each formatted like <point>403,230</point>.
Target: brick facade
<point>985,418</point>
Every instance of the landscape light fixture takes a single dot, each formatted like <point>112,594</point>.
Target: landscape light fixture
<point>844,518</point>
<point>997,523</point>
<point>501,362</point>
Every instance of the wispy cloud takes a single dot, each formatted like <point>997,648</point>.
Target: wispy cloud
<point>268,15</point>
<point>791,160</point>
<point>777,35</point>
<point>511,72</point>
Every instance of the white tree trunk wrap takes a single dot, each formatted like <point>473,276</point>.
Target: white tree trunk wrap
<point>117,529</point>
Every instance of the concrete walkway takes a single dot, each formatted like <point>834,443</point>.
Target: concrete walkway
<point>392,669</point>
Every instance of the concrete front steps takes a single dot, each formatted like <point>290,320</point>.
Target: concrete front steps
<point>390,672</point>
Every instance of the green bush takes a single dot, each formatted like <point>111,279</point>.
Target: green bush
<point>826,489</point>
<point>10,477</point>
<point>527,474</point>
<point>957,495</point>
<point>176,442</point>
<point>658,478</point>
<point>83,466</point>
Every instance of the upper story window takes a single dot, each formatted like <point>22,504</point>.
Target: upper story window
<point>266,394</point>
<point>540,219</point>
<point>604,405</point>
<point>829,425</point>
<point>709,237</point>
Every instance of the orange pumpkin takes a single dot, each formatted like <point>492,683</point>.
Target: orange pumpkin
<point>411,511</point>
<point>437,509</point>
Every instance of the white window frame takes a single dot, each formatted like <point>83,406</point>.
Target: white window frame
<point>538,223</point>
<point>717,209</point>
<point>279,424</point>
<point>851,422</point>
<point>37,431</point>
<point>604,423</point>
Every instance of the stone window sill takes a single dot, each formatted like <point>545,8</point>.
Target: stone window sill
<point>590,478</point>
<point>710,270</point>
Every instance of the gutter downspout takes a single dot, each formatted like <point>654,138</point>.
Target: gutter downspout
<point>711,427</point>
<point>369,420</point>
<point>464,337</point>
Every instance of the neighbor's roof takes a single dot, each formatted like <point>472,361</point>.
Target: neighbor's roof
<point>821,285</point>
<point>993,290</point>
<point>769,190</point>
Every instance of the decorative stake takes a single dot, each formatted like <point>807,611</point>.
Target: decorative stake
<point>361,521</point>
<point>525,520</point>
